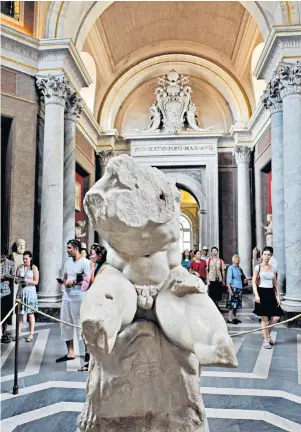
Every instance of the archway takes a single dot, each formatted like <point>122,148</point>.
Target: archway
<point>189,221</point>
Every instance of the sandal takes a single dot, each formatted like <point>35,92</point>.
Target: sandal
<point>5,339</point>
<point>230,322</point>
<point>64,358</point>
<point>30,338</point>
<point>84,368</point>
<point>266,344</point>
<point>271,342</point>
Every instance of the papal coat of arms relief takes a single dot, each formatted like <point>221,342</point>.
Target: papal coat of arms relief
<point>173,109</point>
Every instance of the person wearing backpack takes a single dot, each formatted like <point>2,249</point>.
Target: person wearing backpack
<point>198,267</point>
<point>215,276</point>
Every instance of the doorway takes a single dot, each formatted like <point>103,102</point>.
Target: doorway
<point>6,170</point>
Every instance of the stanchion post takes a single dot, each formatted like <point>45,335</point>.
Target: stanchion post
<point>16,387</point>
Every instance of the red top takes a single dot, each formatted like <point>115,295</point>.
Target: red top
<point>200,267</point>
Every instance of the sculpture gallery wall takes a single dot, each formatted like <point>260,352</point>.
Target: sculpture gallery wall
<point>148,324</point>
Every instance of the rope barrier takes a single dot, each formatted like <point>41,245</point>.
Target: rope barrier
<point>49,316</point>
<point>9,313</point>
<point>76,326</point>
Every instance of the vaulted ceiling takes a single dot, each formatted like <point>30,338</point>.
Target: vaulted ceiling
<point>129,26</point>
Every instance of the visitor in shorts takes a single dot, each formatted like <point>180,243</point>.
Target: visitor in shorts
<point>76,268</point>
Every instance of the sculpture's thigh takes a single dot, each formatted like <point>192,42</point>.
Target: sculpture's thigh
<point>109,306</point>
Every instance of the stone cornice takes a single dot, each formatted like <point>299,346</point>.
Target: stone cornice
<point>41,57</point>
<point>283,42</point>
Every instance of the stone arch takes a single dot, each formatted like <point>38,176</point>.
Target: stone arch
<point>84,14</point>
<point>193,186</point>
<point>224,82</point>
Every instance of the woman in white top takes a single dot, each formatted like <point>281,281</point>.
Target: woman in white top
<point>28,277</point>
<point>267,296</point>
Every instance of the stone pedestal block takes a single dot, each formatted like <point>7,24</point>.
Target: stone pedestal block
<point>145,384</point>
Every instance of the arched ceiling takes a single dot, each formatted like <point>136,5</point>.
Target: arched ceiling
<point>126,39</point>
<point>129,26</point>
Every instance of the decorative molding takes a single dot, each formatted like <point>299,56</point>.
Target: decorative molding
<point>271,96</point>
<point>54,89</point>
<point>173,107</point>
<point>242,154</point>
<point>104,156</point>
<point>289,78</point>
<point>73,107</point>
<point>283,41</point>
<point>45,56</point>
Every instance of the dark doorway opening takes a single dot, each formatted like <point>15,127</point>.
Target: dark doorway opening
<point>6,170</point>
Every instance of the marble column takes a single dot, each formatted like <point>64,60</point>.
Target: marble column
<point>242,157</point>
<point>73,110</point>
<point>54,93</point>
<point>290,91</point>
<point>272,101</point>
<point>103,158</point>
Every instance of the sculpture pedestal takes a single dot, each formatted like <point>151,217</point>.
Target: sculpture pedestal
<point>146,384</point>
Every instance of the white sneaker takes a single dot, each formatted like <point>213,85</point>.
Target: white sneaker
<point>266,344</point>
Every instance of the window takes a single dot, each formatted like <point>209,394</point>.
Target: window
<point>11,9</point>
<point>185,233</point>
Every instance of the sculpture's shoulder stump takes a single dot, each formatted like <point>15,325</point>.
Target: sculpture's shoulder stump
<point>146,384</point>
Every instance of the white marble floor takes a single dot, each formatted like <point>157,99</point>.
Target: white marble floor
<point>262,394</point>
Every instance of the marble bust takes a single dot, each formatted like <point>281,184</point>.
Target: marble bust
<point>269,230</point>
<point>17,256</point>
<point>149,325</point>
<point>79,228</point>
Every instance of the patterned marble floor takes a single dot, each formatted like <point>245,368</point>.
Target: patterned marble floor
<point>262,394</point>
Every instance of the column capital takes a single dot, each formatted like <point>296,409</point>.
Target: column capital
<point>289,76</point>
<point>53,89</point>
<point>73,107</point>
<point>271,96</point>
<point>104,156</point>
<point>242,154</point>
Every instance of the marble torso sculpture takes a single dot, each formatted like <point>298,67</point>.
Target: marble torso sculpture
<point>147,322</point>
<point>269,230</point>
<point>173,108</point>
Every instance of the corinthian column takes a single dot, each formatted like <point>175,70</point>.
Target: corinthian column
<point>242,157</point>
<point>103,158</point>
<point>272,101</point>
<point>54,92</point>
<point>290,92</point>
<point>73,110</point>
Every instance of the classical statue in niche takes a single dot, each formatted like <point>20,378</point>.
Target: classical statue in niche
<point>173,109</point>
<point>149,325</point>
<point>79,228</point>
<point>269,230</point>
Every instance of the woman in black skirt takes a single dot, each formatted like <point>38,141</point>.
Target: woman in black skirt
<point>267,296</point>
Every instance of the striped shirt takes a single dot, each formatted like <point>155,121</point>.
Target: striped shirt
<point>7,269</point>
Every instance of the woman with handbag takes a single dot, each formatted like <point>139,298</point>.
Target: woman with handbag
<point>235,282</point>
<point>267,296</point>
<point>28,278</point>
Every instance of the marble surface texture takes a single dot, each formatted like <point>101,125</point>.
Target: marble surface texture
<point>242,156</point>
<point>292,199</point>
<point>262,395</point>
<point>139,206</point>
<point>51,225</point>
<point>69,176</point>
<point>278,194</point>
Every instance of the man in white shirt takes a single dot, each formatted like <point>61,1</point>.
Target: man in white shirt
<point>76,268</point>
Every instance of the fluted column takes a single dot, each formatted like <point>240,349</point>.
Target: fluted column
<point>242,157</point>
<point>73,110</point>
<point>273,102</point>
<point>290,92</point>
<point>54,92</point>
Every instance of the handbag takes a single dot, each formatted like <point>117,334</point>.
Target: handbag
<point>243,277</point>
<point>258,277</point>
